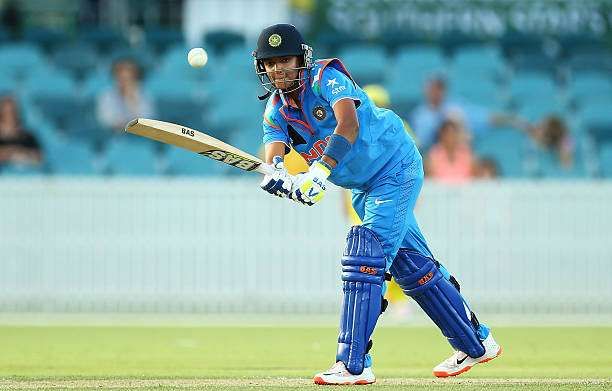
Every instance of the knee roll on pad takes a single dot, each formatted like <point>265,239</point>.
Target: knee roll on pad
<point>363,276</point>
<point>420,278</point>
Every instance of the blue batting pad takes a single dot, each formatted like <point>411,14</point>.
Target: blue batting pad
<point>420,278</point>
<point>363,276</point>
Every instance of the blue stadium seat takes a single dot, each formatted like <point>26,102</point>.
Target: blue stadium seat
<point>421,56</point>
<point>534,62</point>
<point>508,147</point>
<point>579,43</point>
<point>404,93</point>
<point>160,38</point>
<point>173,62</point>
<point>62,107</point>
<point>127,155</point>
<point>223,121</point>
<point>455,40</point>
<point>549,166</point>
<point>238,62</point>
<point>234,105</point>
<point>485,61</point>
<point>53,93</point>
<point>17,60</point>
<point>8,85</point>
<point>392,37</point>
<point>532,85</point>
<point>407,74</point>
<point>535,109</point>
<point>52,80</point>
<point>181,162</point>
<point>418,62</point>
<point>183,110</point>
<point>475,89</point>
<point>76,58</point>
<point>44,132</point>
<point>105,39</point>
<point>515,42</point>
<point>67,157</point>
<point>97,82</point>
<point>83,123</point>
<point>597,120</point>
<point>331,41</point>
<point>367,64</point>
<point>21,169</point>
<point>605,160</point>
<point>45,38</point>
<point>168,83</point>
<point>588,86</point>
<point>178,98</point>
<point>219,41</point>
<point>4,35</point>
<point>597,61</point>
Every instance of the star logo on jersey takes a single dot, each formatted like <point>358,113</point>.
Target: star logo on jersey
<point>332,82</point>
<point>319,113</point>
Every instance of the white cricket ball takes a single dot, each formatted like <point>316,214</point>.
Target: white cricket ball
<point>197,57</point>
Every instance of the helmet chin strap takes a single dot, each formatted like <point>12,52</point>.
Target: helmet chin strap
<point>264,96</point>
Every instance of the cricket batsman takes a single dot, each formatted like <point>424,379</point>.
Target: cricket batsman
<point>316,108</point>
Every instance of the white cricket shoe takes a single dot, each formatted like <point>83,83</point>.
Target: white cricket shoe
<point>338,374</point>
<point>460,362</point>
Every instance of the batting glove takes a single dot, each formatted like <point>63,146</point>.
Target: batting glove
<point>280,182</point>
<point>309,187</point>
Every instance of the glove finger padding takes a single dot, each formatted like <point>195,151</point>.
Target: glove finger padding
<point>280,182</point>
<point>298,196</point>
<point>309,187</point>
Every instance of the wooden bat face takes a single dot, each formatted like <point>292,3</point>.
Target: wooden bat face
<point>198,142</point>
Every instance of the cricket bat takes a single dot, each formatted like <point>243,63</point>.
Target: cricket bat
<point>198,142</point>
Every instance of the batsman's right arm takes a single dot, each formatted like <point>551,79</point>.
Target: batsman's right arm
<point>274,149</point>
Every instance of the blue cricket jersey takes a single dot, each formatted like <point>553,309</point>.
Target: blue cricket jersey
<point>381,139</point>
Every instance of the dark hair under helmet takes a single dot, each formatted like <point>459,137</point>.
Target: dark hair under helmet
<point>281,40</point>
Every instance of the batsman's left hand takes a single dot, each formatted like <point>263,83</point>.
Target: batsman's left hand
<point>309,187</point>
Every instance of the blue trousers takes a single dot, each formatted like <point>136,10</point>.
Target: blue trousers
<point>386,207</point>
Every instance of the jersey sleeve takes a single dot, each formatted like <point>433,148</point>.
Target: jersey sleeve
<point>335,86</point>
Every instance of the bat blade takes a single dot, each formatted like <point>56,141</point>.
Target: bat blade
<point>198,142</point>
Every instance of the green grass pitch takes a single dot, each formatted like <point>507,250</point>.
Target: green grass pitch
<point>286,357</point>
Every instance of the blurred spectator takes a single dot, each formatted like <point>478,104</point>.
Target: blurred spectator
<point>486,168</point>
<point>16,144</point>
<point>450,159</point>
<point>551,134</point>
<point>428,117</point>
<point>125,100</point>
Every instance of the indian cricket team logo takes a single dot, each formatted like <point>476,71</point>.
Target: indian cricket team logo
<point>319,113</point>
<point>275,40</point>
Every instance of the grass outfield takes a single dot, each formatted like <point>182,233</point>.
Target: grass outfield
<point>249,358</point>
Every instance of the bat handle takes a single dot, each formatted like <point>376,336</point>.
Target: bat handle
<point>266,169</point>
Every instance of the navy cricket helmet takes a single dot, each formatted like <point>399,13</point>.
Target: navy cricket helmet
<point>281,40</point>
